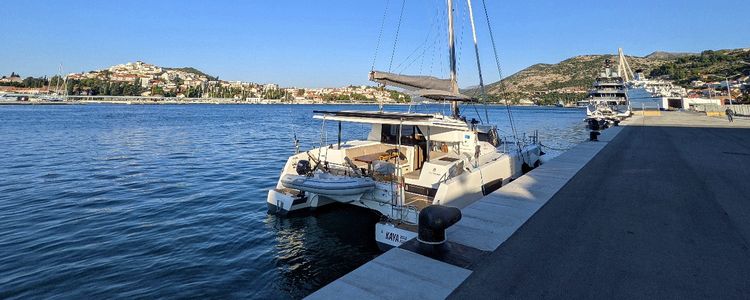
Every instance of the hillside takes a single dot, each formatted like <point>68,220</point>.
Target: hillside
<point>192,70</point>
<point>707,66</point>
<point>668,55</point>
<point>570,79</point>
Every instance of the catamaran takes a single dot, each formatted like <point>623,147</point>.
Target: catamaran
<point>408,161</point>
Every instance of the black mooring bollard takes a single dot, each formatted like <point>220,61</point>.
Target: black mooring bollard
<point>594,136</point>
<point>433,221</point>
<point>594,124</point>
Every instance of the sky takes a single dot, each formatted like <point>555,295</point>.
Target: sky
<point>331,43</point>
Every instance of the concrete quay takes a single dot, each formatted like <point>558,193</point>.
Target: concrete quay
<point>658,208</point>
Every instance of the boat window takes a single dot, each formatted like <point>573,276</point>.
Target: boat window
<point>410,135</point>
<point>483,137</point>
<point>389,134</point>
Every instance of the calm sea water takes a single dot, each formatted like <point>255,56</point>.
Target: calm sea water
<point>103,201</point>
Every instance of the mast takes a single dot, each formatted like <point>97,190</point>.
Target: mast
<point>476,52</point>
<point>452,50</point>
<point>623,68</point>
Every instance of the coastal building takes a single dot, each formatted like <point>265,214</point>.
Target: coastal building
<point>13,78</point>
<point>123,77</point>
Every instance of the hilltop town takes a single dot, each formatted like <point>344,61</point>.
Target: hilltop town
<point>708,74</point>
<point>148,80</point>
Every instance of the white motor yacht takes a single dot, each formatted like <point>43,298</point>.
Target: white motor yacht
<point>608,100</point>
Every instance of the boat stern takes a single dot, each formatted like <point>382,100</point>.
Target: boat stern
<point>389,235</point>
<point>281,202</point>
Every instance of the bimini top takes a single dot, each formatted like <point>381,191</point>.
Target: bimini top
<point>376,114</point>
<point>378,117</point>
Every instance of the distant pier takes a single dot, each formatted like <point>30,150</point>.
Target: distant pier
<point>657,208</point>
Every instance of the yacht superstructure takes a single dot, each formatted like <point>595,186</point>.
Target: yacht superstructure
<point>646,93</point>
<point>656,87</point>
<point>608,100</point>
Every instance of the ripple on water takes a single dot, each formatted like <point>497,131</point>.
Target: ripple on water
<point>103,201</point>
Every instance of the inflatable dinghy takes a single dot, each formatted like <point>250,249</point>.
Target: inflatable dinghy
<point>328,185</point>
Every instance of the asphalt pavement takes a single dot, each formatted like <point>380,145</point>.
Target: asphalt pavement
<point>662,212</point>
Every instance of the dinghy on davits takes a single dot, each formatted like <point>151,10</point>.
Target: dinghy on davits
<point>328,185</point>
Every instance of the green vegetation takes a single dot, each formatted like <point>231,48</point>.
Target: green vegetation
<point>556,97</point>
<point>100,87</point>
<point>272,94</point>
<point>399,97</point>
<point>28,82</point>
<point>194,71</point>
<point>709,65</point>
<point>569,80</point>
<point>359,97</point>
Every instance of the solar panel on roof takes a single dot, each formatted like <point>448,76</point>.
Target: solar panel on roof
<point>376,114</point>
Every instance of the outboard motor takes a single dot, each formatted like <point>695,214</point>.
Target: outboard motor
<point>433,221</point>
<point>303,167</point>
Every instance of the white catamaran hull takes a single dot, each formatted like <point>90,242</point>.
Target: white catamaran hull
<point>459,191</point>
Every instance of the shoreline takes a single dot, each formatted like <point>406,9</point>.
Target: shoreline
<point>90,102</point>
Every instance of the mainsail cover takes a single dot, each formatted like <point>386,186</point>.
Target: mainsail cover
<point>424,86</point>
<point>411,82</point>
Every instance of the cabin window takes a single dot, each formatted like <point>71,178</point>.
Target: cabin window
<point>490,137</point>
<point>483,137</point>
<point>409,133</point>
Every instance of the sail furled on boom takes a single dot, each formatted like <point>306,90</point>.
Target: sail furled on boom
<point>411,82</point>
<point>425,86</point>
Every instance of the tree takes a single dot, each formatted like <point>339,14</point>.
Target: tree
<point>157,90</point>
<point>399,97</point>
<point>359,97</point>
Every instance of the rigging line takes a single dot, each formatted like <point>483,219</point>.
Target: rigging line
<point>441,59</point>
<point>415,60</point>
<point>432,27</point>
<point>477,112</point>
<point>412,53</point>
<point>423,46</point>
<point>424,51</point>
<point>433,51</point>
<point>380,35</point>
<point>500,72</point>
<point>398,29</point>
<point>460,38</point>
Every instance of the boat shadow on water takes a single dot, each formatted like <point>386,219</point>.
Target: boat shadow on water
<point>314,247</point>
